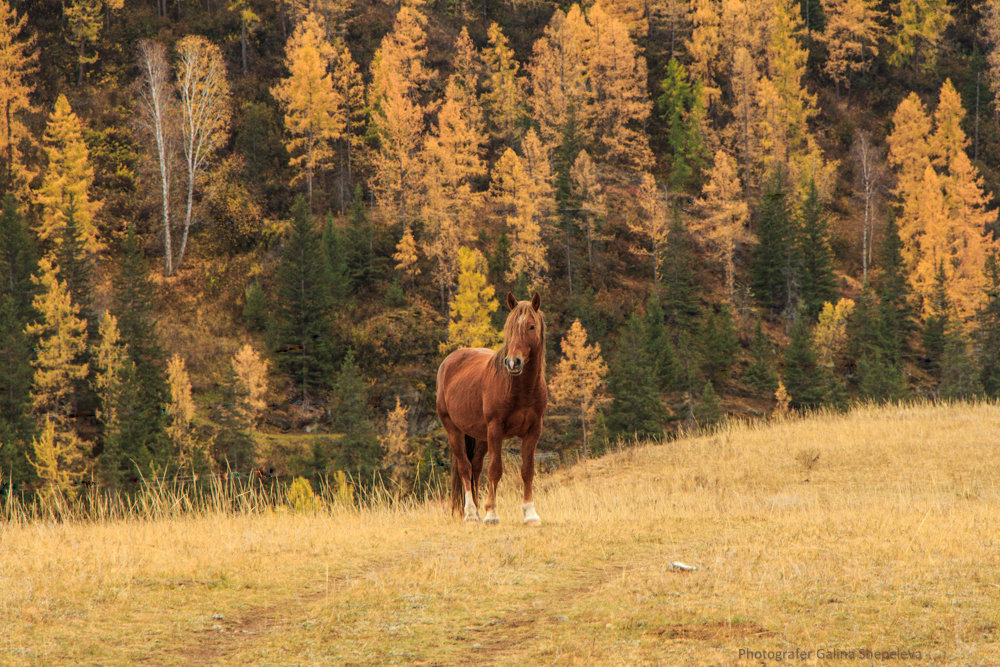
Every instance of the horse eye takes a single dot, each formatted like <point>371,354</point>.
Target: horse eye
<point>532,327</point>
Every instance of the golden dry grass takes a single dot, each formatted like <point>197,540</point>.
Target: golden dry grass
<point>873,530</point>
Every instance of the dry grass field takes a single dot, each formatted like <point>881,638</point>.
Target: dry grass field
<point>831,536</point>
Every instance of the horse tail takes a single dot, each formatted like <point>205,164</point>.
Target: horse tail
<point>457,488</point>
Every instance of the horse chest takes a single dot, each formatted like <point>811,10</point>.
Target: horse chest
<point>519,421</point>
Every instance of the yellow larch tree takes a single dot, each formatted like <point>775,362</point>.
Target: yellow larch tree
<point>830,333</point>
<point>723,224</point>
<point>909,153</point>
<point>448,206</point>
<point>249,385</point>
<point>618,103</point>
<point>651,223</point>
<point>924,238</point>
<point>633,14</point>
<point>513,192</point>
<point>61,341</point>
<point>400,79</point>
<point>558,72</point>
<point>65,188</point>
<point>504,97</point>
<point>350,90</point>
<point>578,378</point>
<point>397,449</point>
<point>969,240</point>
<point>852,34</point>
<point>589,192</point>
<point>470,323</point>
<point>406,255</point>
<point>180,411</point>
<point>312,104</point>
<point>919,28</point>
<point>704,45</point>
<point>111,366</point>
<point>743,132</point>
<point>464,82</point>
<point>58,458</point>
<point>83,21</point>
<point>18,60</point>
<point>787,107</point>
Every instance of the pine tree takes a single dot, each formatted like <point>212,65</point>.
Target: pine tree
<point>774,262</point>
<point>933,335</point>
<point>360,244</point>
<point>358,451</point>
<point>708,411</point>
<point>682,109</point>
<point>124,454</point>
<point>817,282</point>
<point>895,313</point>
<point>719,344</point>
<point>578,378</point>
<point>303,333</point>
<point>68,180</point>
<point>761,373</point>
<point>658,343</point>
<point>313,106</point>
<point>636,409</point>
<point>338,278</point>
<point>133,306</point>
<point>470,322</point>
<point>806,382</point>
<point>76,267</point>
<point>987,332</point>
<point>959,377</point>
<point>18,60</point>
<point>17,293</point>
<point>84,21</point>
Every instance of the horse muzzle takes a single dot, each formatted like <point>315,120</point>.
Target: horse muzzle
<point>514,365</point>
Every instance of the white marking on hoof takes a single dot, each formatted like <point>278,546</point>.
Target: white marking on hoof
<point>491,518</point>
<point>530,516</point>
<point>471,512</point>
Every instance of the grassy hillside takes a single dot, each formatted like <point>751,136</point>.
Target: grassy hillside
<point>871,530</point>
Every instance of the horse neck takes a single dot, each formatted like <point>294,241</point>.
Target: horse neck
<point>529,379</point>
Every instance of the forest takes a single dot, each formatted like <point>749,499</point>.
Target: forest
<point>238,236</point>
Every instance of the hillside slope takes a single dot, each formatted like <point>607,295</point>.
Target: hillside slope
<point>871,530</point>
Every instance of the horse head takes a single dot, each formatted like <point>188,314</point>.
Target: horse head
<point>524,334</point>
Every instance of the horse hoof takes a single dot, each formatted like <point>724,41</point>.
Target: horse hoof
<point>471,518</point>
<point>532,522</point>
<point>491,518</point>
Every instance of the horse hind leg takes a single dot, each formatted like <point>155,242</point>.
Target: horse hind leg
<point>461,473</point>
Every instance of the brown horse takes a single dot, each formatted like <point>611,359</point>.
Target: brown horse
<point>486,396</point>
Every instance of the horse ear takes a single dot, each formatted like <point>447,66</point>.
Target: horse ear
<point>511,301</point>
<point>536,301</point>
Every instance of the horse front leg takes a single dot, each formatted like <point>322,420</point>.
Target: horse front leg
<point>528,444</point>
<point>477,468</point>
<point>494,441</point>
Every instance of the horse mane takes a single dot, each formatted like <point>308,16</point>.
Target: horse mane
<point>514,326</point>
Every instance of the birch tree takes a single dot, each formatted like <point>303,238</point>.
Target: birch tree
<point>205,112</point>
<point>155,106</point>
